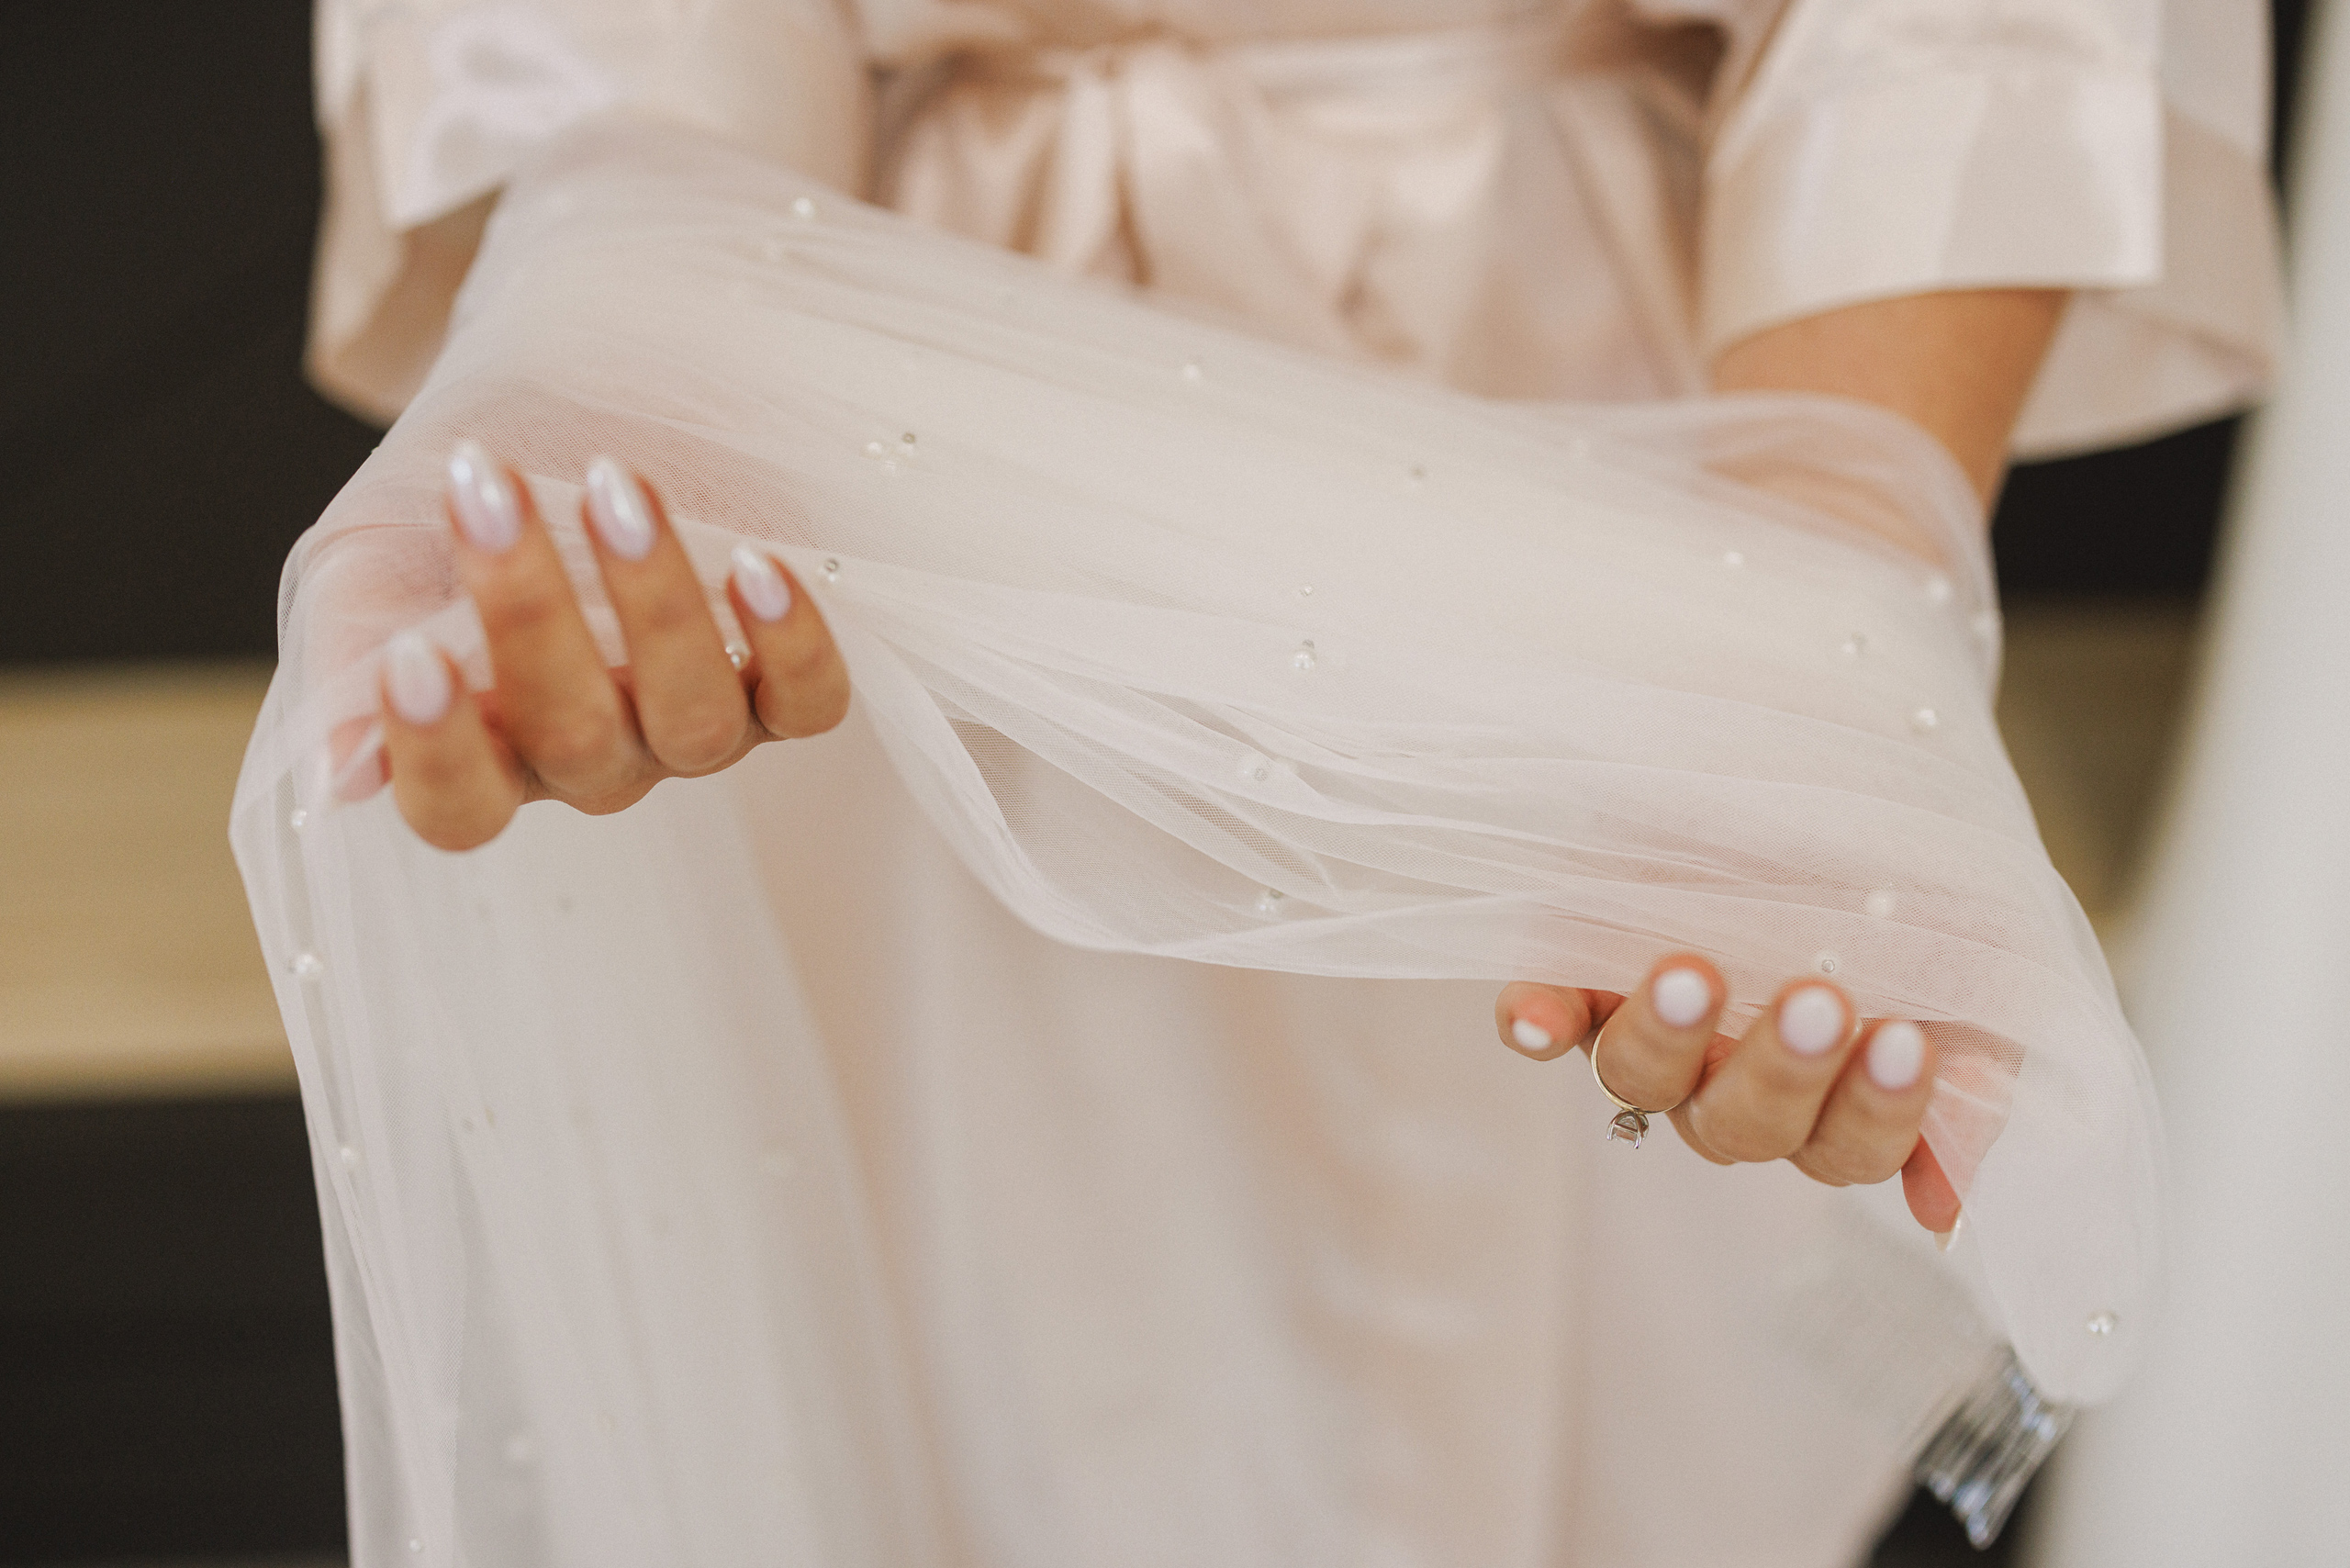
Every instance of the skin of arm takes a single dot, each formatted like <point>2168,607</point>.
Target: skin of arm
<point>1958,364</point>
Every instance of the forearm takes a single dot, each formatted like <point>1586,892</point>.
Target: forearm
<point>1958,364</point>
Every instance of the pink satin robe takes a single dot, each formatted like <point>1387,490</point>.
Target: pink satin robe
<point>1174,1243</point>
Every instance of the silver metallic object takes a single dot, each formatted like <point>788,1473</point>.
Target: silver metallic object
<point>1989,1446</point>
<point>1631,1124</point>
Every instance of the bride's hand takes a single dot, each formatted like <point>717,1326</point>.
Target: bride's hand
<point>1843,1103</point>
<point>559,724</point>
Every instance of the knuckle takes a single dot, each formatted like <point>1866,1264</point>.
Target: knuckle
<point>1865,1143</point>
<point>1846,1164</point>
<point>795,711</point>
<point>1869,1172</point>
<point>1811,1168</point>
<point>1748,1139</point>
<point>609,801</point>
<point>697,743</point>
<point>573,745</point>
<point>454,831</point>
<point>1757,1149</point>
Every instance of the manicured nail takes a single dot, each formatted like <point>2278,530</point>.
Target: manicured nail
<point>1680,997</point>
<point>486,509</point>
<point>1531,1036</point>
<point>1946,1239</point>
<point>1897,1053</point>
<point>616,505</point>
<point>765,592</point>
<point>1811,1020</point>
<point>417,679</point>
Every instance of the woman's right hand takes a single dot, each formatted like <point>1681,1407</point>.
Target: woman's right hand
<point>558,724</point>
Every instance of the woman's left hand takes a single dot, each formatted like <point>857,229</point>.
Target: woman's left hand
<point>1808,1082</point>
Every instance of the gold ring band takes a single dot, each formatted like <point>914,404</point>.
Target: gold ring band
<point>1630,1123</point>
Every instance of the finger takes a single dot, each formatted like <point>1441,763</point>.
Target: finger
<point>1933,1202</point>
<point>1762,1099</point>
<point>356,765</point>
<point>690,703</point>
<point>454,782</point>
<point>556,702</point>
<point>1546,1021</point>
<point>799,682</point>
<point>1655,1044</point>
<point>361,593</point>
<point>1869,1125</point>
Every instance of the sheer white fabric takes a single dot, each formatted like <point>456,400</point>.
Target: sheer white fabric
<point>1055,1119</point>
<point>1402,685</point>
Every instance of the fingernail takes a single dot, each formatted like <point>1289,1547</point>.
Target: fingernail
<point>1680,997</point>
<point>1897,1052</point>
<point>486,509</point>
<point>1531,1036</point>
<point>765,592</point>
<point>1946,1239</point>
<point>1811,1020</point>
<point>417,679</point>
<point>616,505</point>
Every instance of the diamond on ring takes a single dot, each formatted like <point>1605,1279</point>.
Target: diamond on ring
<point>1630,1123</point>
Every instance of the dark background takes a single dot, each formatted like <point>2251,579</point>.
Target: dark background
<point>166,1380</point>
<point>166,1367</point>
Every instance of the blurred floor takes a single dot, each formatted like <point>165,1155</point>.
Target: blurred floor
<point>145,1084</point>
<point>129,964</point>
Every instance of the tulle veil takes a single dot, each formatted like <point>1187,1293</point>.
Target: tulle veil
<point>1191,646</point>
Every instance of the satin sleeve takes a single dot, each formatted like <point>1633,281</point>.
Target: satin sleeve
<point>1867,149</point>
<point>427,106</point>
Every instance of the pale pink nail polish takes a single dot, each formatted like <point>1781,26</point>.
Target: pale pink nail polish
<point>487,508</point>
<point>1811,1020</point>
<point>1680,997</point>
<point>1946,1239</point>
<point>1896,1054</point>
<point>764,591</point>
<point>1531,1036</point>
<point>617,507</point>
<point>416,679</point>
